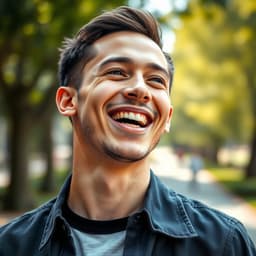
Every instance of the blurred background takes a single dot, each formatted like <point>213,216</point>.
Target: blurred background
<point>213,45</point>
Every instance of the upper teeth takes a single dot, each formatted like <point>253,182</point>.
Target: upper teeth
<point>132,116</point>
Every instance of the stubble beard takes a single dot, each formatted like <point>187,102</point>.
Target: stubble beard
<point>115,152</point>
<point>127,158</point>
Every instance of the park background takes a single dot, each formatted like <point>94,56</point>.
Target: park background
<point>212,43</point>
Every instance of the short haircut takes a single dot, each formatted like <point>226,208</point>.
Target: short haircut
<point>77,51</point>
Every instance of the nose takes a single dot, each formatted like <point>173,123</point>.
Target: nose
<point>138,92</point>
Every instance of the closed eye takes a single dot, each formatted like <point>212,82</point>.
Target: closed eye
<point>116,72</point>
<point>158,82</point>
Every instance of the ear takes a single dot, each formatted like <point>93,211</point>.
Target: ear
<point>66,100</point>
<point>168,122</point>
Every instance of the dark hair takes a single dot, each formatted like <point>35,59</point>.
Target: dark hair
<point>77,51</point>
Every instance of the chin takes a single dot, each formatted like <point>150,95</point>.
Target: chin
<point>128,154</point>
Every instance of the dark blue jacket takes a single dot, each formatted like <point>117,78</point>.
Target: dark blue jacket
<point>169,224</point>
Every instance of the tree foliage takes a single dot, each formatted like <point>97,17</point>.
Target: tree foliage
<point>216,88</point>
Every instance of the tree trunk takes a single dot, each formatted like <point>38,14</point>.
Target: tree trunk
<point>48,183</point>
<point>211,151</point>
<point>18,196</point>
<point>250,170</point>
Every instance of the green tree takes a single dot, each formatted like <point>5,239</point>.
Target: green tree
<point>215,49</point>
<point>30,33</point>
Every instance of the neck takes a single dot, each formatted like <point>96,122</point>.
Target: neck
<point>103,191</point>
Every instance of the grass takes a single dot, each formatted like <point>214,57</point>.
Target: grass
<point>233,180</point>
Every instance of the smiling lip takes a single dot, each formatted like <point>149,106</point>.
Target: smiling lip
<point>131,117</point>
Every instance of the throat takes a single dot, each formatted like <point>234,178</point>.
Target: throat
<point>105,197</point>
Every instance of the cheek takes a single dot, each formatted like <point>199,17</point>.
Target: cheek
<point>94,96</point>
<point>93,105</point>
<point>163,104</point>
<point>104,90</point>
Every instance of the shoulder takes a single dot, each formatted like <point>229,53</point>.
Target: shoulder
<point>212,224</point>
<point>200,212</point>
<point>26,229</point>
<point>195,226</point>
<point>29,217</point>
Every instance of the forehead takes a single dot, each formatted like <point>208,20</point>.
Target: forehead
<point>135,46</point>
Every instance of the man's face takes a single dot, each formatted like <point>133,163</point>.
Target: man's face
<point>123,101</point>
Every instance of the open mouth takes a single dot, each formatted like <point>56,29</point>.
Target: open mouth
<point>131,118</point>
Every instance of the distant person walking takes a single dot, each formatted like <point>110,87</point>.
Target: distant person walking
<point>195,165</point>
<point>180,157</point>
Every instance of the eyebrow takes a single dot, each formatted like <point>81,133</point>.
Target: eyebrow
<point>115,59</point>
<point>130,61</point>
<point>159,68</point>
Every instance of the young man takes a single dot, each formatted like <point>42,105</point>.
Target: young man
<point>115,89</point>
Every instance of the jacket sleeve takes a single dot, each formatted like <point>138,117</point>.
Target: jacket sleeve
<point>239,242</point>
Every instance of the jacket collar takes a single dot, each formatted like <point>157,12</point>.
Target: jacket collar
<point>55,216</point>
<point>167,213</point>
